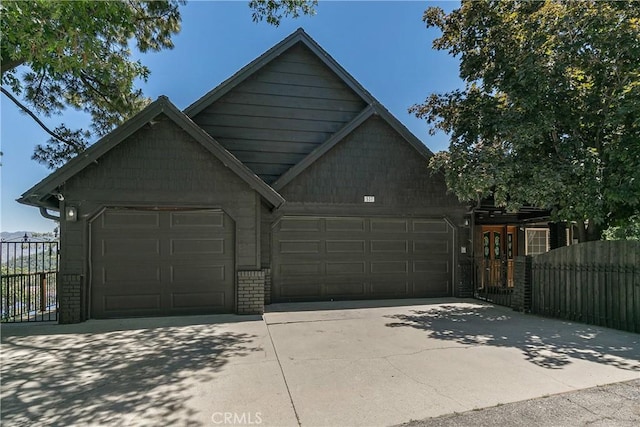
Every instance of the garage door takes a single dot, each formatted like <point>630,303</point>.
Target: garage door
<point>360,258</point>
<point>150,263</point>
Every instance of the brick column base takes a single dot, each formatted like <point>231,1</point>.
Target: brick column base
<point>267,285</point>
<point>70,299</point>
<point>250,292</point>
<point>521,297</point>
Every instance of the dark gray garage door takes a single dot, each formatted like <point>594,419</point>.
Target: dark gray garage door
<point>358,258</point>
<point>150,263</point>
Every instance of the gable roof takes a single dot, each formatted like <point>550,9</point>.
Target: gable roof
<point>42,194</point>
<point>298,36</point>
<point>373,105</point>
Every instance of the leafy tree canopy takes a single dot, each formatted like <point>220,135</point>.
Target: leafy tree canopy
<point>60,54</point>
<point>550,112</point>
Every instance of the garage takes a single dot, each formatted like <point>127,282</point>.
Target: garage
<point>161,262</point>
<point>320,258</point>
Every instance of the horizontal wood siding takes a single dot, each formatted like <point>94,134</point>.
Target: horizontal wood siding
<point>291,105</point>
<point>594,282</point>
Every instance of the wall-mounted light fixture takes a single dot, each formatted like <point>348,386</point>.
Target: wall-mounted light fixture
<point>71,213</point>
<point>466,222</point>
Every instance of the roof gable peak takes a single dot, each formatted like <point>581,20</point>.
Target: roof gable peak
<point>298,36</point>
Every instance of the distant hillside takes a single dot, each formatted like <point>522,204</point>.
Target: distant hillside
<point>18,236</point>
<point>32,256</point>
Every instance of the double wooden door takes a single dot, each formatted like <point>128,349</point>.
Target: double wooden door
<point>498,251</point>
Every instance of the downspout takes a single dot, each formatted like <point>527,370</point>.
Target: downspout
<point>46,214</point>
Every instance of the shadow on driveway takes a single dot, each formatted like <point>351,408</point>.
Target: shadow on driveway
<point>548,343</point>
<point>99,372</point>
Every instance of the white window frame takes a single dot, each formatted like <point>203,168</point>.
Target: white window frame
<point>526,239</point>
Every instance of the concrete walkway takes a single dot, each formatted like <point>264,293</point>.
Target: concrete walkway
<point>373,363</point>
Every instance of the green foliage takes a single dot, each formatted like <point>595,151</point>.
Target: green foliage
<point>76,54</point>
<point>550,114</point>
<point>274,10</point>
<point>628,231</point>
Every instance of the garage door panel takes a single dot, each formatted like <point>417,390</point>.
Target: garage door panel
<point>300,290</point>
<point>311,268</point>
<point>355,257</point>
<point>121,247</point>
<point>300,247</point>
<point>184,265</point>
<point>389,226</point>
<point>396,267</point>
<point>346,288</point>
<point>197,246</point>
<point>191,274</point>
<point>345,224</point>
<point>401,246</point>
<point>300,224</point>
<point>131,303</point>
<point>197,219</point>
<point>345,246</point>
<point>349,268</point>
<point>198,300</point>
<point>113,219</point>
<point>121,273</point>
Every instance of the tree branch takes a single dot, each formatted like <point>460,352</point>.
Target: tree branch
<point>38,121</point>
<point>11,64</point>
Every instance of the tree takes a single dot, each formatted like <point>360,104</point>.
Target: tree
<point>550,111</point>
<point>58,54</point>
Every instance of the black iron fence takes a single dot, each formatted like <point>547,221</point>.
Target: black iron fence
<point>28,281</point>
<point>494,280</point>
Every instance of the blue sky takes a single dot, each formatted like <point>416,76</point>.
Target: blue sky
<point>384,45</point>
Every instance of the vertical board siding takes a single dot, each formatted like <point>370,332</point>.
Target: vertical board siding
<point>596,283</point>
<point>292,105</point>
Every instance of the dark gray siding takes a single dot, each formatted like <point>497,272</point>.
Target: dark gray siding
<point>373,160</point>
<point>159,165</point>
<point>277,116</point>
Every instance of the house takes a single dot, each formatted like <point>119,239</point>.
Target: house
<point>287,182</point>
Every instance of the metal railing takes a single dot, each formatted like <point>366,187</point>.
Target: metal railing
<point>494,280</point>
<point>28,281</point>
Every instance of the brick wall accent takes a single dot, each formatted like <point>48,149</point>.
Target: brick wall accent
<point>465,284</point>
<point>267,285</point>
<point>70,299</point>
<point>251,292</point>
<point>521,297</point>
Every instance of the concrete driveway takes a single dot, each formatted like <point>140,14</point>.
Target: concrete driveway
<point>317,364</point>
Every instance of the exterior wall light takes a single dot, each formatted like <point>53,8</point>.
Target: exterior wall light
<point>71,213</point>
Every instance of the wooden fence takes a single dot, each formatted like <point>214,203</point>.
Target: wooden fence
<point>596,283</point>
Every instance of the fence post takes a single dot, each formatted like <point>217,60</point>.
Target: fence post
<point>43,287</point>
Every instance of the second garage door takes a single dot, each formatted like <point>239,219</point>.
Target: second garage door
<point>151,263</point>
<point>320,258</point>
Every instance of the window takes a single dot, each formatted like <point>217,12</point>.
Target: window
<point>537,241</point>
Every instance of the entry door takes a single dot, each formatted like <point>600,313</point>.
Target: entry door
<point>499,248</point>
